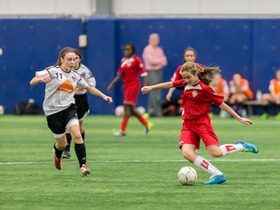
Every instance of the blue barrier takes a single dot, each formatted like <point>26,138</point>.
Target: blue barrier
<point>248,46</point>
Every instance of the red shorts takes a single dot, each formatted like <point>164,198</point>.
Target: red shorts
<point>131,92</point>
<point>194,130</point>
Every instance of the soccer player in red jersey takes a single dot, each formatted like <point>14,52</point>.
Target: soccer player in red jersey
<point>189,56</point>
<point>199,96</point>
<point>130,67</point>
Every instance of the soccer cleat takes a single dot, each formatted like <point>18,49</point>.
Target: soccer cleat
<point>149,127</point>
<point>264,116</point>
<point>248,147</point>
<point>66,154</point>
<point>146,115</point>
<point>277,117</point>
<point>217,179</point>
<point>84,170</point>
<point>118,133</point>
<point>57,161</point>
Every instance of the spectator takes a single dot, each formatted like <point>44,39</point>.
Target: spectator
<point>239,92</point>
<point>273,96</point>
<point>154,60</point>
<point>220,85</point>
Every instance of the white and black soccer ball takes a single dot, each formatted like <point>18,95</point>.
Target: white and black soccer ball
<point>119,110</point>
<point>187,175</point>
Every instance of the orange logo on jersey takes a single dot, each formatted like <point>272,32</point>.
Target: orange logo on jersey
<point>66,87</point>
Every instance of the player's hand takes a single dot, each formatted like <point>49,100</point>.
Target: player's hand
<point>146,89</point>
<point>46,79</point>
<point>108,99</point>
<point>109,88</point>
<point>246,121</point>
<point>168,96</point>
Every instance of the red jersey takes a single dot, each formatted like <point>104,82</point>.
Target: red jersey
<point>130,69</point>
<point>177,74</point>
<point>198,99</point>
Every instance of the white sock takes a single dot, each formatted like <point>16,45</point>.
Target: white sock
<point>231,148</point>
<point>206,166</point>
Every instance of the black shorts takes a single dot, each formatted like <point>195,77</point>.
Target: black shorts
<point>57,122</point>
<point>81,102</point>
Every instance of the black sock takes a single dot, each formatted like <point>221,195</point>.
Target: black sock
<point>265,108</point>
<point>83,135</point>
<point>80,150</point>
<point>69,138</point>
<point>278,108</point>
<point>58,153</point>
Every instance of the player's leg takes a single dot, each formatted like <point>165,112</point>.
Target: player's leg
<point>58,149</point>
<point>66,153</point>
<point>189,142</point>
<point>266,98</point>
<point>56,125</point>
<point>148,125</point>
<point>80,148</point>
<point>124,123</point>
<point>74,129</point>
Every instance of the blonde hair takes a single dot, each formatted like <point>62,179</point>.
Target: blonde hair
<point>205,74</point>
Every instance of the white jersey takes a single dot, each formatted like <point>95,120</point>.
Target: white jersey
<point>59,92</point>
<point>87,75</point>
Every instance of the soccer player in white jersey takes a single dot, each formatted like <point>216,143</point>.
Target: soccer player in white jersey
<point>59,105</point>
<point>197,125</point>
<point>81,100</point>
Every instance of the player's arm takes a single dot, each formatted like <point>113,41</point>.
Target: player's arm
<point>163,85</point>
<point>96,92</point>
<point>115,80</point>
<point>169,94</point>
<point>42,76</point>
<point>229,110</point>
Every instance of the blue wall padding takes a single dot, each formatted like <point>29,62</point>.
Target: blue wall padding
<point>248,46</point>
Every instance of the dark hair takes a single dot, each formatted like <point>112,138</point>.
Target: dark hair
<point>132,47</point>
<point>205,74</point>
<point>191,49</point>
<point>62,53</point>
<point>78,53</point>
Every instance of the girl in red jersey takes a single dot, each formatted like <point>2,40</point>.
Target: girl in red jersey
<point>131,66</point>
<point>189,56</point>
<point>239,92</point>
<point>273,96</point>
<point>198,98</point>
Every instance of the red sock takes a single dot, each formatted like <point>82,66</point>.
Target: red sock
<point>124,124</point>
<point>143,120</point>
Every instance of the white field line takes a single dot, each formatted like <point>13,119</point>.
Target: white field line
<point>145,161</point>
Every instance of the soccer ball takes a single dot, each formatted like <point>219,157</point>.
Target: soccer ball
<point>119,110</point>
<point>187,175</point>
<point>141,109</point>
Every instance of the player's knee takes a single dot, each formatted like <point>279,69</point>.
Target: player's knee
<point>217,152</point>
<point>76,136</point>
<point>189,155</point>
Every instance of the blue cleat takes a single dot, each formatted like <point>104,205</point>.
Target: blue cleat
<point>248,147</point>
<point>118,133</point>
<point>217,179</point>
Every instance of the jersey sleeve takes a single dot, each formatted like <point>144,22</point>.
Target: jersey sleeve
<point>90,79</point>
<point>176,74</point>
<point>179,84</point>
<point>140,64</point>
<point>44,72</point>
<point>213,96</point>
<point>82,83</point>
